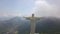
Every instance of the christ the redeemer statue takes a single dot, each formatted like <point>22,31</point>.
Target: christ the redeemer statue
<point>33,20</point>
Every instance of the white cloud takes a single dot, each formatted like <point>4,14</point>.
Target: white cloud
<point>43,8</point>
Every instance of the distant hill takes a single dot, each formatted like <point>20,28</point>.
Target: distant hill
<point>45,24</point>
<point>48,25</point>
<point>7,25</point>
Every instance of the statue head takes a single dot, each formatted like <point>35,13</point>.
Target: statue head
<point>32,15</point>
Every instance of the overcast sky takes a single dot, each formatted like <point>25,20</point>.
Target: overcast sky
<point>26,7</point>
<point>47,8</point>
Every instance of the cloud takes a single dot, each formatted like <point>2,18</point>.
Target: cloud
<point>47,8</point>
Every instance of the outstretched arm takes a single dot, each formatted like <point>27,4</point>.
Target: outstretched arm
<point>28,18</point>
